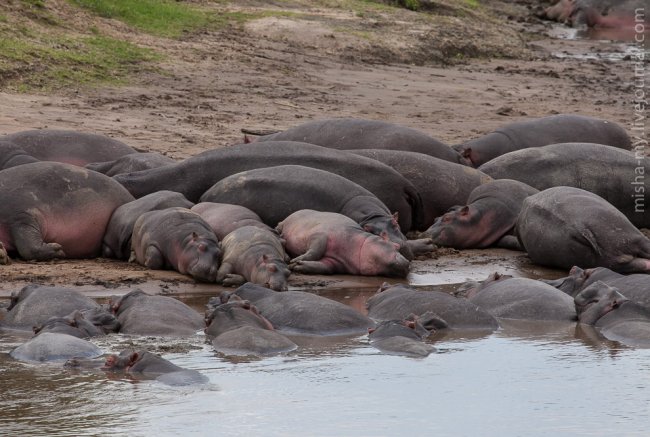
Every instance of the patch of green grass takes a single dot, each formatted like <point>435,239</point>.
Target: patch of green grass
<point>473,4</point>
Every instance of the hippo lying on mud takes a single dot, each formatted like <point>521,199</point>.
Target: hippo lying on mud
<point>53,210</point>
<point>224,218</point>
<point>141,364</point>
<point>194,176</point>
<point>566,226</point>
<point>72,147</point>
<point>356,133</point>
<point>563,128</point>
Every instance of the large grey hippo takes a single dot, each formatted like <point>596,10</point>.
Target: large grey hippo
<point>562,128</point>
<point>50,346</point>
<point>142,364</point>
<point>54,210</point>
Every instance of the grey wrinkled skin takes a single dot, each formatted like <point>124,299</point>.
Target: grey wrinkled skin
<point>179,239</point>
<point>329,243</point>
<point>194,176</point>
<point>440,184</point>
<point>248,340</point>
<point>12,155</point>
<point>565,226</point>
<point>401,337</point>
<point>142,364</point>
<point>223,316</point>
<point>562,128</point>
<point>143,314</point>
<point>54,347</point>
<point>611,173</point>
<point>356,133</point>
<point>490,214</point>
<point>74,324</point>
<point>251,254</point>
<point>522,299</point>
<point>117,238</point>
<point>53,210</point>
<point>274,193</point>
<point>224,218</point>
<point>302,313</point>
<point>130,163</point>
<point>72,147</point>
<point>400,301</point>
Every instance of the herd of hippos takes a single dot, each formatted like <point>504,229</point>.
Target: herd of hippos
<point>325,197</point>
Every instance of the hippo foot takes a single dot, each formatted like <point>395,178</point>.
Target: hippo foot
<point>232,280</point>
<point>50,251</point>
<point>4,258</point>
<point>421,246</point>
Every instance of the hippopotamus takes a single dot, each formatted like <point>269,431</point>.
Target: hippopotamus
<point>617,317</point>
<point>224,218</point>
<point>12,155</point>
<point>145,365</point>
<point>562,128</point>
<point>117,239</point>
<point>581,165</point>
<point>401,337</point>
<point>74,324</point>
<point>50,346</point>
<point>635,287</point>
<point>34,304</point>
<point>176,238</point>
<point>71,147</point>
<point>566,226</point>
<point>396,302</point>
<point>53,210</point>
<point>522,299</point>
<point>356,133</point>
<point>131,163</point>
<point>194,176</point>
<point>239,329</point>
<point>302,313</point>
<point>255,255</point>
<point>440,184</point>
<point>562,11</point>
<point>274,193</point>
<point>488,218</point>
<point>143,314</point>
<point>329,243</point>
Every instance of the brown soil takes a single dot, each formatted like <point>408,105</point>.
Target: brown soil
<point>276,72</point>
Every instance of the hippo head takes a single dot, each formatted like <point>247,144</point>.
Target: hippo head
<point>385,227</point>
<point>409,327</point>
<point>232,315</point>
<point>595,301</point>
<point>463,227</point>
<point>380,257</point>
<point>572,283</point>
<point>271,273</point>
<point>471,289</point>
<point>120,303</point>
<point>200,257</point>
<point>122,361</point>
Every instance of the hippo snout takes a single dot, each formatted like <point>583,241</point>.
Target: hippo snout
<point>399,267</point>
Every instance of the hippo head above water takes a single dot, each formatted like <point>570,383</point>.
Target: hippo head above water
<point>595,301</point>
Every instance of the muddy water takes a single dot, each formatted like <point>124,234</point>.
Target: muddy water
<point>522,380</point>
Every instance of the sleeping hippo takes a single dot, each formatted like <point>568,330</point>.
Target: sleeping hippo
<point>488,218</point>
<point>562,128</point>
<point>179,239</point>
<point>224,218</point>
<point>53,210</point>
<point>329,243</point>
<point>357,133</point>
<point>401,337</point>
<point>566,226</point>
<point>142,364</point>
<point>131,163</point>
<point>68,146</point>
<point>50,346</point>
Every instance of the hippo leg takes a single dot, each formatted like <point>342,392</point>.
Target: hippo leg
<point>317,248</point>
<point>421,246</point>
<point>153,258</point>
<point>225,269</point>
<point>29,243</point>
<point>510,242</point>
<point>232,280</point>
<point>312,268</point>
<point>4,258</point>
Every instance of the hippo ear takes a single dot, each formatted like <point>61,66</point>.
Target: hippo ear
<point>395,217</point>
<point>384,235</point>
<point>272,268</point>
<point>410,324</point>
<point>265,258</point>
<point>464,210</point>
<point>371,330</point>
<point>133,359</point>
<point>195,236</point>
<point>466,152</point>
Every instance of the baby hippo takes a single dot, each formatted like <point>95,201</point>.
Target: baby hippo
<point>617,317</point>
<point>329,243</point>
<point>143,364</point>
<point>401,337</point>
<point>224,218</point>
<point>176,238</point>
<point>251,254</point>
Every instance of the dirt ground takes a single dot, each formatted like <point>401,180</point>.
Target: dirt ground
<point>276,72</point>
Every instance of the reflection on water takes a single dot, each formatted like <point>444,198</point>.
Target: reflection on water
<point>562,379</point>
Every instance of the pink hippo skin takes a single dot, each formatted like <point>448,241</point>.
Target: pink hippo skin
<point>328,243</point>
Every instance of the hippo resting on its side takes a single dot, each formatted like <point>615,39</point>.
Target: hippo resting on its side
<point>522,299</point>
<point>224,218</point>
<point>488,218</point>
<point>614,315</point>
<point>563,128</point>
<point>53,210</point>
<point>117,239</point>
<point>274,193</point>
<point>179,239</point>
<point>566,226</point>
<point>355,133</point>
<point>635,287</point>
<point>613,174</point>
<point>145,365</point>
<point>50,346</point>
<point>440,184</point>
<point>302,313</point>
<point>131,163</point>
<point>72,147</point>
<point>194,176</point>
<point>329,243</point>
